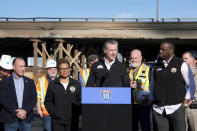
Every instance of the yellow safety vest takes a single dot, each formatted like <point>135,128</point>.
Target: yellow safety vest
<point>85,74</point>
<point>41,87</point>
<point>142,79</point>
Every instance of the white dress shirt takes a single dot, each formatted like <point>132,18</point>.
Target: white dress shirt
<point>108,65</point>
<point>190,89</point>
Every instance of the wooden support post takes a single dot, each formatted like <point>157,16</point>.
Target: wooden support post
<point>83,61</point>
<point>35,53</point>
<point>68,48</point>
<point>60,50</point>
<point>75,69</point>
<point>43,55</point>
<point>61,41</point>
<point>35,45</point>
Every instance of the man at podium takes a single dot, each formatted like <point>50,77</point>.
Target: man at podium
<point>105,108</point>
<point>108,72</point>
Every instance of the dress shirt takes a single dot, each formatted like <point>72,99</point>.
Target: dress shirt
<point>19,87</point>
<point>108,65</point>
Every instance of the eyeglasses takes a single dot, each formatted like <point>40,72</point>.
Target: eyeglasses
<point>62,69</point>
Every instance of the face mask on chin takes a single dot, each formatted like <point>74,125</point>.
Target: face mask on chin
<point>134,65</point>
<point>52,75</point>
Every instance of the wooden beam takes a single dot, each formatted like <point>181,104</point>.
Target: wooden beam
<point>83,61</point>
<point>39,52</point>
<point>75,69</point>
<point>76,57</point>
<point>56,51</point>
<point>70,58</point>
<point>43,55</point>
<point>60,50</point>
<point>44,48</point>
<point>35,45</point>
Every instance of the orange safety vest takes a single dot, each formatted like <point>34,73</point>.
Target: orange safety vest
<point>41,87</point>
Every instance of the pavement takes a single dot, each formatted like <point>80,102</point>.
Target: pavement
<point>37,122</point>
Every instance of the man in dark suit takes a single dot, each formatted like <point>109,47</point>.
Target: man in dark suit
<point>18,98</point>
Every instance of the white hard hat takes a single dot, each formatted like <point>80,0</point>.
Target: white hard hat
<point>6,62</point>
<point>51,63</point>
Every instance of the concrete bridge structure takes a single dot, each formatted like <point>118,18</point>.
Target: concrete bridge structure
<point>145,34</point>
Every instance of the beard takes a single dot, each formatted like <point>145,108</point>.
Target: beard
<point>134,64</point>
<point>52,74</point>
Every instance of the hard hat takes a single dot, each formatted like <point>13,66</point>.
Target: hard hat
<point>6,62</point>
<point>51,63</point>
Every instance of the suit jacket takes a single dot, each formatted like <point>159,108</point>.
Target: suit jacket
<point>8,99</point>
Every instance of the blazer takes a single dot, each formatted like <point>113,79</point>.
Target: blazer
<point>8,99</point>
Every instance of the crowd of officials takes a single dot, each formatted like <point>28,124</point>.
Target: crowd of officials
<point>169,86</point>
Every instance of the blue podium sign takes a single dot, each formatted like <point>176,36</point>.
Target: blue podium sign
<point>106,95</point>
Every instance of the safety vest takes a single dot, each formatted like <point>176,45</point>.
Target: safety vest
<point>1,78</point>
<point>41,87</point>
<point>85,74</point>
<point>142,79</point>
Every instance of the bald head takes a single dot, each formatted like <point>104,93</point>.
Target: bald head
<point>136,58</point>
<point>136,52</point>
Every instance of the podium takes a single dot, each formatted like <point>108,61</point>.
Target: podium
<point>106,109</point>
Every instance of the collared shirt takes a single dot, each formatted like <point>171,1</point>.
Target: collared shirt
<point>19,87</point>
<point>190,88</point>
<point>108,65</point>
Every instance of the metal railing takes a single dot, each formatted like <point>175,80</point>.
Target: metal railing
<point>77,19</point>
<point>179,19</point>
<point>34,19</point>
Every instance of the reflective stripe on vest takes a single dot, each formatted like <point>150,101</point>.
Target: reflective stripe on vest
<point>85,74</point>
<point>42,93</point>
<point>43,88</point>
<point>141,78</point>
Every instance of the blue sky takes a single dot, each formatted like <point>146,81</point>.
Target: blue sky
<point>98,8</point>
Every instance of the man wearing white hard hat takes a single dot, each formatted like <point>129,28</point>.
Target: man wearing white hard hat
<point>41,86</point>
<point>5,66</point>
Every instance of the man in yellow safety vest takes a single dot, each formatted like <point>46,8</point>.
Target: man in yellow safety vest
<point>139,75</point>
<point>41,86</point>
<point>84,73</point>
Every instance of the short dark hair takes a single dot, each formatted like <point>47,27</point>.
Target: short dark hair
<point>192,53</point>
<point>92,57</point>
<point>170,43</point>
<point>19,58</point>
<point>111,41</point>
<point>62,61</point>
